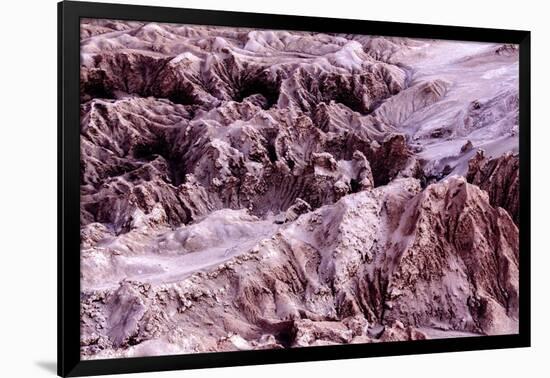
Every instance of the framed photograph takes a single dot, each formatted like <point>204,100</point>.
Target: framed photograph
<point>239,188</point>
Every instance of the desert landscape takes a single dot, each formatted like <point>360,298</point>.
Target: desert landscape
<point>253,189</point>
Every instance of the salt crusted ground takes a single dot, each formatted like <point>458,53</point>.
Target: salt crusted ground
<point>246,189</point>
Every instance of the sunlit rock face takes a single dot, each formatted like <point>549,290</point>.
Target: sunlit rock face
<point>254,189</point>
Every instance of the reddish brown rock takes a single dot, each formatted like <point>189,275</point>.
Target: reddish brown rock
<point>500,178</point>
<point>252,189</point>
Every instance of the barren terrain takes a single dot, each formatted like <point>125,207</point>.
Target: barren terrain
<point>246,189</point>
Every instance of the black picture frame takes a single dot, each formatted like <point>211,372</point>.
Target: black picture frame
<point>69,14</point>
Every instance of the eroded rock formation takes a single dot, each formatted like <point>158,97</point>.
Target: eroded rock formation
<point>499,177</point>
<point>246,189</point>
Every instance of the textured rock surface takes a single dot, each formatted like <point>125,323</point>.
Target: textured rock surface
<point>248,189</point>
<point>499,177</point>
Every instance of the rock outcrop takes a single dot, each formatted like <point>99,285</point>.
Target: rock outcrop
<point>441,258</point>
<point>499,177</point>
